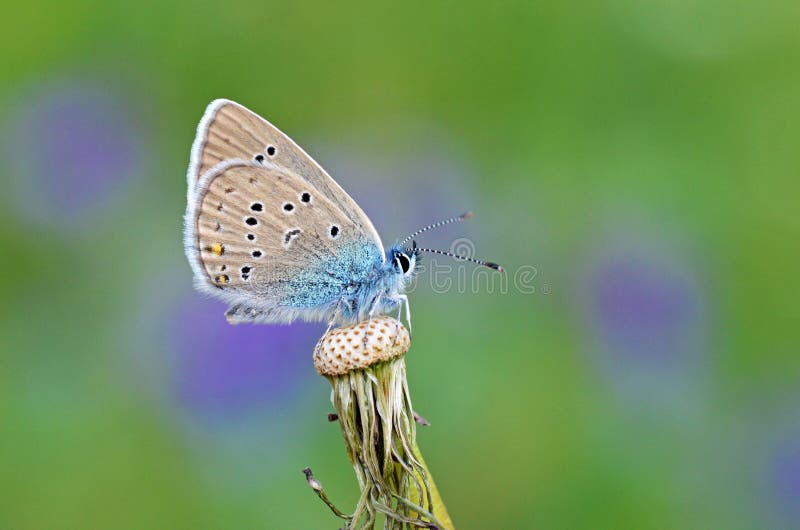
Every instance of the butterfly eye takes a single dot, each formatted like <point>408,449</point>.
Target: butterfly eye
<point>403,262</point>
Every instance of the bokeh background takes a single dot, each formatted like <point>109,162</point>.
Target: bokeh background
<point>639,160</point>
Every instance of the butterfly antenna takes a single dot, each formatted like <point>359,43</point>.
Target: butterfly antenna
<point>463,217</point>
<point>453,255</point>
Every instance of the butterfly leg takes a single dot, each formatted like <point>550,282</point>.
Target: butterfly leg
<point>374,306</point>
<point>332,321</point>
<point>372,309</point>
<point>403,299</point>
<point>330,325</point>
<point>337,312</point>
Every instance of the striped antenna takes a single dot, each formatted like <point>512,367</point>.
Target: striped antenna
<point>489,264</point>
<point>463,217</point>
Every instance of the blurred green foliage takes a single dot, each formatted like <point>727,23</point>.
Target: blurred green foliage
<point>663,136</point>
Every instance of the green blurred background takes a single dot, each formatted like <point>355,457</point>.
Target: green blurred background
<point>637,160</point>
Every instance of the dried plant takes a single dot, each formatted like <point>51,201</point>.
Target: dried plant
<point>365,365</point>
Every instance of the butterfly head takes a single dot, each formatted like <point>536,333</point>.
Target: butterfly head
<point>403,260</point>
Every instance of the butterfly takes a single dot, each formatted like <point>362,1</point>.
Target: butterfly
<point>270,232</point>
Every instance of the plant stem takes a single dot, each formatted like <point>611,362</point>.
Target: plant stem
<point>377,420</point>
<point>439,507</point>
<point>365,365</point>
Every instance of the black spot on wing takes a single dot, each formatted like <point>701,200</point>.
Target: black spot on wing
<point>291,234</point>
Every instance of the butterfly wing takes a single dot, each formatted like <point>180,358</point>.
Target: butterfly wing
<point>267,240</point>
<point>230,131</point>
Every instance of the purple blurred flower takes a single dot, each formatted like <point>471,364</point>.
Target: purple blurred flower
<point>186,356</point>
<point>71,147</point>
<point>644,309</point>
<point>225,370</point>
<point>646,315</point>
<point>784,477</point>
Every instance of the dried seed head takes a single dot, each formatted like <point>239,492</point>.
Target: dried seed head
<point>342,350</point>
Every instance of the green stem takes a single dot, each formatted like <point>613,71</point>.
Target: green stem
<point>439,507</point>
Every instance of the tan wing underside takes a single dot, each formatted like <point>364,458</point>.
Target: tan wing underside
<point>260,194</point>
<point>230,131</point>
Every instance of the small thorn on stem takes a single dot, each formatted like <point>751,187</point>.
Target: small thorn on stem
<point>316,485</point>
<point>333,417</point>
<point>422,421</point>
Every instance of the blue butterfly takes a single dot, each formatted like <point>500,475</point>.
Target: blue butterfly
<point>270,232</point>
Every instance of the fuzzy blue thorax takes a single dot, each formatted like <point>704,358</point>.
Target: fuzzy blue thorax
<point>353,284</point>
